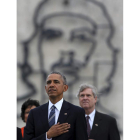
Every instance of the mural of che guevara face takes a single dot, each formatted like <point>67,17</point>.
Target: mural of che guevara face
<point>67,48</point>
<point>74,37</point>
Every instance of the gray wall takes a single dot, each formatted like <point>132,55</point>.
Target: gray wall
<point>105,62</point>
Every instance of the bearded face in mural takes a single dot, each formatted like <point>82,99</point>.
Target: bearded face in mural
<point>73,37</point>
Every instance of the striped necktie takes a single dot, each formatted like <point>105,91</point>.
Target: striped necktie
<point>52,116</point>
<point>88,126</point>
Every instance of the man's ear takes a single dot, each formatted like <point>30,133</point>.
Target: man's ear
<point>46,88</point>
<point>96,99</point>
<point>65,88</point>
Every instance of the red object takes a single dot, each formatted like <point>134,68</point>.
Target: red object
<point>22,132</point>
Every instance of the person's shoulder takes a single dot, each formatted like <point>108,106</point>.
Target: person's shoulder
<point>74,107</point>
<point>41,107</point>
<point>105,116</point>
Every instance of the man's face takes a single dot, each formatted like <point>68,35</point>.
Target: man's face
<point>74,44</point>
<point>87,100</point>
<point>27,110</point>
<point>55,86</point>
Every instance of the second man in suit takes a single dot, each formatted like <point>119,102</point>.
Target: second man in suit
<point>57,119</point>
<point>99,126</point>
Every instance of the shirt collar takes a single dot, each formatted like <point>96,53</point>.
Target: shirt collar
<point>58,105</point>
<point>91,115</point>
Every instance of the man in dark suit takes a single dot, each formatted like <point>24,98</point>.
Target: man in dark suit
<point>99,126</point>
<point>57,119</point>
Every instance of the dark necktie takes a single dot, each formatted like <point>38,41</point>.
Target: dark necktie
<point>52,116</point>
<point>88,126</point>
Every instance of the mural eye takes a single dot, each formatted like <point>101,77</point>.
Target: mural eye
<point>82,37</point>
<point>52,33</point>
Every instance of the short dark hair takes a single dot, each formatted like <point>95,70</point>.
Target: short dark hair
<point>62,76</point>
<point>26,104</point>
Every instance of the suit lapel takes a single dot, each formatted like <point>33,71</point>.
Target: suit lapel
<point>44,116</point>
<point>96,125</point>
<point>64,112</point>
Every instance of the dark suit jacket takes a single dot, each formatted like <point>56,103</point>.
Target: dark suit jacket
<point>37,123</point>
<point>104,128</point>
<point>19,136</point>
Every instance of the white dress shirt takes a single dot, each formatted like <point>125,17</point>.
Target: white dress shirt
<point>91,119</point>
<point>58,106</point>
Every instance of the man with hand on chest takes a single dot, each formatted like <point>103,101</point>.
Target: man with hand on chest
<point>57,119</point>
<point>99,126</point>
